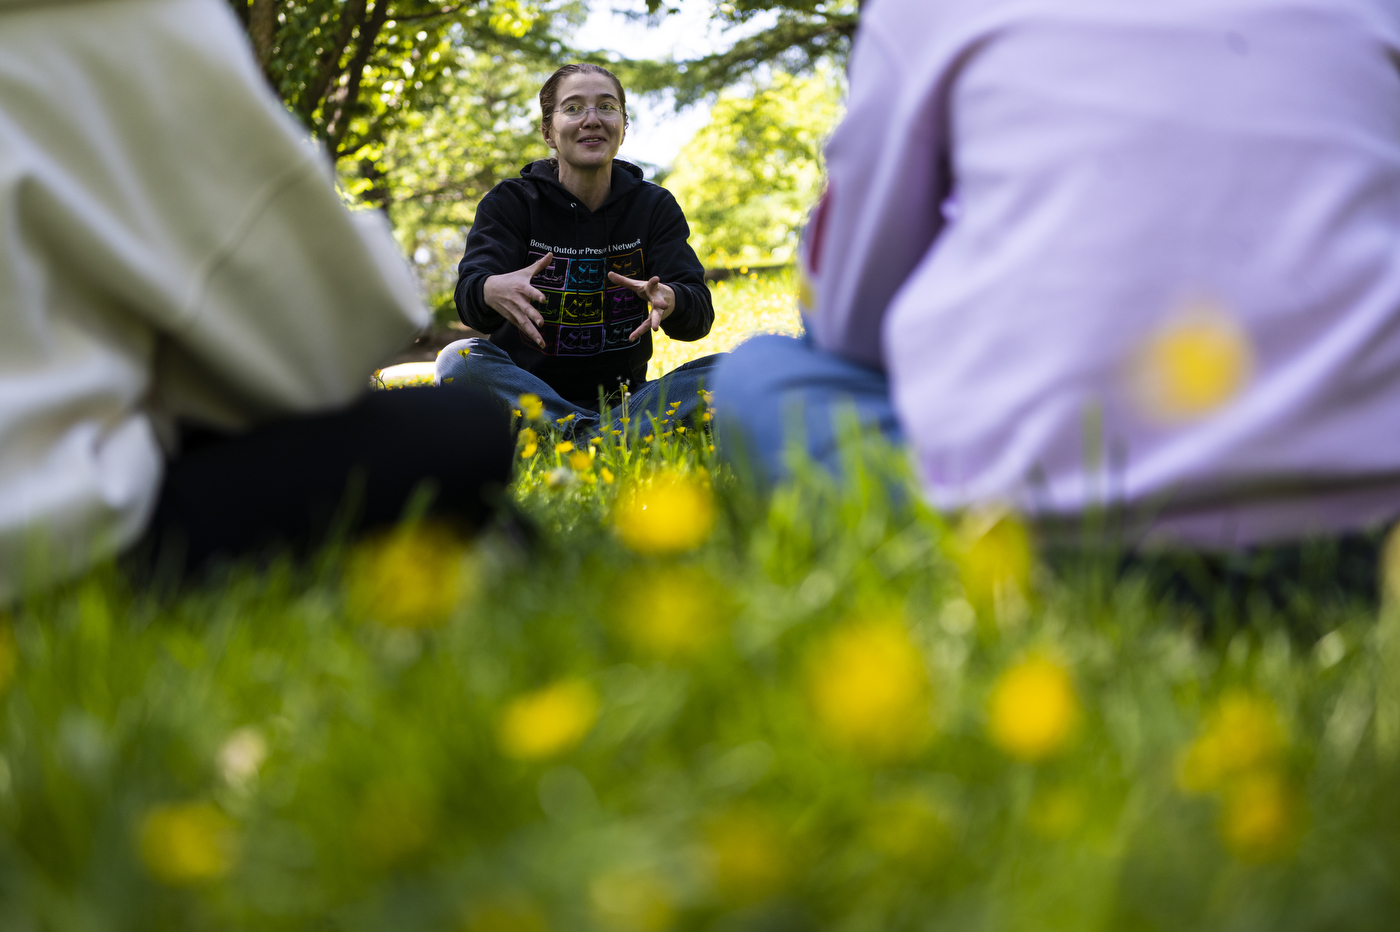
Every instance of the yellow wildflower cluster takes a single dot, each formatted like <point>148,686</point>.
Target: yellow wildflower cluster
<point>187,843</point>
<point>548,721</point>
<point>529,442</point>
<point>531,407</point>
<point>1033,709</point>
<point>993,555</point>
<point>869,689</point>
<point>666,513</point>
<point>671,612</point>
<point>410,577</point>
<point>1241,756</point>
<point>1193,365</point>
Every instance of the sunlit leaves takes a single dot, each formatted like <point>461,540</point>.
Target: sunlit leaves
<point>748,179</point>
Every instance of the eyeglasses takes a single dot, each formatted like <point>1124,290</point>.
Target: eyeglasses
<point>576,112</point>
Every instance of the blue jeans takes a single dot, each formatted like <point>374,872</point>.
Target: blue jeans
<point>776,391</point>
<point>486,366</point>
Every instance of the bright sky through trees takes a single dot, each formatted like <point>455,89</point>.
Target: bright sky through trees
<point>657,131</point>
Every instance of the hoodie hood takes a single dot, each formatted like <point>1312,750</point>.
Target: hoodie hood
<point>544,173</point>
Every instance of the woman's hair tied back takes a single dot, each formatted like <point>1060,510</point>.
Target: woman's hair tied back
<point>549,93</point>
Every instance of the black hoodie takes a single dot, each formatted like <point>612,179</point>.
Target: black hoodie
<point>638,232</point>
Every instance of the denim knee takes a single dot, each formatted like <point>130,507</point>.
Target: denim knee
<point>451,365</point>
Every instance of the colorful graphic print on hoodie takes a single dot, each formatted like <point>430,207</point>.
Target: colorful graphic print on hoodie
<point>638,232</point>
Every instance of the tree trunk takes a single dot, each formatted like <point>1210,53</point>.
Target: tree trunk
<point>262,29</point>
<point>349,95</point>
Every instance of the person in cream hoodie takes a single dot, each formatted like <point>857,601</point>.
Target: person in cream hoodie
<point>173,253</point>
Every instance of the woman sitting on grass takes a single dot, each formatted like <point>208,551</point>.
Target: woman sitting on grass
<point>573,265</point>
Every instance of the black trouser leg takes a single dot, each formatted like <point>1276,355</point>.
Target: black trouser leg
<point>290,481</point>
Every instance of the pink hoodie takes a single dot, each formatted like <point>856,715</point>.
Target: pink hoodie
<point>1172,277</point>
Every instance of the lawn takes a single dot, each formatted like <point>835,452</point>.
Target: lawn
<point>744,305</point>
<point>687,706</point>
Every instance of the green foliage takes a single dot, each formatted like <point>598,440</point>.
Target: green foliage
<point>437,164</point>
<point>804,34</point>
<point>749,178</point>
<point>358,74</point>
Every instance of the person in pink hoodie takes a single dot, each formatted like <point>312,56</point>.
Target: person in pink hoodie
<point>1086,253</point>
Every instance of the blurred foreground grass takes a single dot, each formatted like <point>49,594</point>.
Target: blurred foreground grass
<point>691,708</point>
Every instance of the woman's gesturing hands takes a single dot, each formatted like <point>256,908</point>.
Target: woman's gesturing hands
<point>661,298</point>
<point>512,296</point>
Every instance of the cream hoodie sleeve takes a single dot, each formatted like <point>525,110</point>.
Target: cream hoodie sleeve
<point>170,247</point>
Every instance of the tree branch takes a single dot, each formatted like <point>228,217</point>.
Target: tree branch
<point>415,17</point>
<point>337,125</point>
<point>352,16</point>
<point>262,29</point>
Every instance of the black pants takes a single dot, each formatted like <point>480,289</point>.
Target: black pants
<point>294,482</point>
<point>1304,585</point>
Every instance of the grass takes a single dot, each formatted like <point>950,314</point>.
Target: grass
<point>692,707</point>
<point>744,306</point>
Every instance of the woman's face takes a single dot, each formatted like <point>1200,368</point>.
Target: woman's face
<point>591,139</point>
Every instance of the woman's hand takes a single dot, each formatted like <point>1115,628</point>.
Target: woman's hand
<point>661,298</point>
<point>511,295</point>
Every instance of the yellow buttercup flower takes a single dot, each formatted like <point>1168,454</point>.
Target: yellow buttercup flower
<point>563,446</point>
<point>667,513</point>
<point>580,461</point>
<point>1193,365</point>
<point>529,443</point>
<point>1261,817</point>
<point>410,577</point>
<point>187,843</point>
<point>869,689</point>
<point>548,721</point>
<point>633,901</point>
<point>749,855</point>
<point>606,474</point>
<point>1242,734</point>
<point>671,611</point>
<point>531,406</point>
<point>993,553</point>
<point>1033,709</point>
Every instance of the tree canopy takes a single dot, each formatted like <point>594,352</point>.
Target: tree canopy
<point>358,73</point>
<point>748,178</point>
<point>802,34</point>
